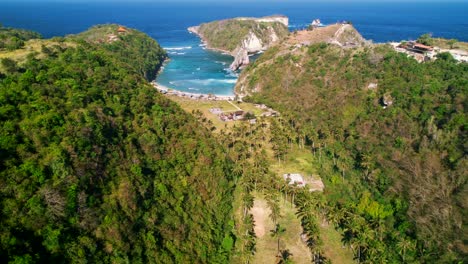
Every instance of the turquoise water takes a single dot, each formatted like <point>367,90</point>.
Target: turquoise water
<point>193,69</point>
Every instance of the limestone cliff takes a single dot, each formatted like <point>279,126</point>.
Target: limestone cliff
<point>242,36</point>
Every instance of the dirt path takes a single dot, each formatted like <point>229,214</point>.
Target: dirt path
<point>234,105</point>
<point>260,212</point>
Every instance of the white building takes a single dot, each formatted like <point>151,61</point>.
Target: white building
<point>294,178</point>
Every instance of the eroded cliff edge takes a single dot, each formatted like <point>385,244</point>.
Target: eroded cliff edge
<point>242,36</point>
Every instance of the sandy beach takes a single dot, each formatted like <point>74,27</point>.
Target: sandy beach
<point>196,96</point>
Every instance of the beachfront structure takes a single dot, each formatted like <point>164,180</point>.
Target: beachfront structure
<point>294,179</point>
<point>232,116</point>
<point>416,47</point>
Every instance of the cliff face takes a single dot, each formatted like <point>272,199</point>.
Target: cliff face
<point>242,36</point>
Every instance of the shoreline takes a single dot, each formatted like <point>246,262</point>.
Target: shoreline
<point>194,96</point>
<point>205,44</point>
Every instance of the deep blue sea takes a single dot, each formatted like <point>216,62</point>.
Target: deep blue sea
<point>194,69</point>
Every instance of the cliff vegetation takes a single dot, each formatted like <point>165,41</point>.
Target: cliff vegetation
<point>228,34</point>
<point>242,36</point>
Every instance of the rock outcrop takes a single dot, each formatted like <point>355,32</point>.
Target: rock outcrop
<point>241,58</point>
<point>242,36</point>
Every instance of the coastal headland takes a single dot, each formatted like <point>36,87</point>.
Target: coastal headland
<point>240,37</point>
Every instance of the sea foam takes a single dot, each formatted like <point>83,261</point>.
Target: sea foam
<point>178,48</point>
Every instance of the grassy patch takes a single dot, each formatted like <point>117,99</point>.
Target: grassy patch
<point>332,246</point>
<point>31,46</point>
<point>191,105</point>
<point>445,44</point>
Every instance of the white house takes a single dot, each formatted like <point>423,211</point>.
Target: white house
<point>294,178</point>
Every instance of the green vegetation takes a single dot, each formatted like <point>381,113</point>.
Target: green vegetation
<point>229,34</point>
<point>95,166</point>
<point>12,39</point>
<point>426,39</point>
<point>450,44</point>
<point>395,175</point>
<point>132,47</point>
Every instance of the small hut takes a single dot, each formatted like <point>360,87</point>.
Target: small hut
<point>121,30</point>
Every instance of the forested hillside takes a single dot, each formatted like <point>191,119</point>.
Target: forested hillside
<point>389,136</point>
<point>95,166</point>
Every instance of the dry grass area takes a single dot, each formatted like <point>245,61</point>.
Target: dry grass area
<point>204,106</point>
<point>267,246</point>
<point>323,34</point>
<point>444,44</point>
<point>31,46</point>
<point>190,105</point>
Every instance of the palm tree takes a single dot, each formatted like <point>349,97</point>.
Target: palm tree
<point>274,207</point>
<point>276,233</point>
<point>284,257</point>
<point>248,202</point>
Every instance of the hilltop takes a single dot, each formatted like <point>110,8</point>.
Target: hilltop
<point>344,35</point>
<point>240,37</point>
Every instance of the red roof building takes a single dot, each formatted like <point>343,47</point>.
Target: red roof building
<point>422,47</point>
<point>121,29</point>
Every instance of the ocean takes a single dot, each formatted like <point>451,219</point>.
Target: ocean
<point>192,68</point>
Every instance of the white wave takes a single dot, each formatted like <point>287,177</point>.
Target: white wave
<point>178,48</point>
<point>176,53</point>
<point>205,82</point>
<point>231,73</point>
<point>193,89</point>
<point>221,62</point>
<point>303,25</point>
<point>198,68</point>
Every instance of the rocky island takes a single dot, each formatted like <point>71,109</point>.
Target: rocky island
<point>242,36</point>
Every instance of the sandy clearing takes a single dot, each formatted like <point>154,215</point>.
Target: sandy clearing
<point>260,212</point>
